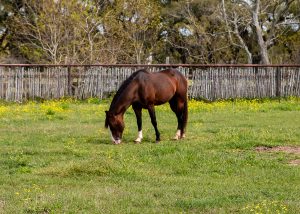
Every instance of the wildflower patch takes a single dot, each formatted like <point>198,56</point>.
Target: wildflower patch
<point>266,207</point>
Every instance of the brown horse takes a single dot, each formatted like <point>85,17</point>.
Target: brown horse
<point>145,90</point>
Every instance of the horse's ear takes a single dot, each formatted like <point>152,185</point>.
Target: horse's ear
<point>106,123</point>
<point>106,120</point>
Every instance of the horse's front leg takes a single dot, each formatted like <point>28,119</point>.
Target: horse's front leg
<point>151,111</point>
<point>138,113</point>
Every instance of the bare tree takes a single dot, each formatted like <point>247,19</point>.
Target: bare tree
<point>266,19</point>
<point>63,31</point>
<point>233,26</point>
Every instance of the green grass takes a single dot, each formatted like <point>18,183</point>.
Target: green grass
<point>56,157</point>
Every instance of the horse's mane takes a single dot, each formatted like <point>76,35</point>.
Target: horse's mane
<point>124,86</point>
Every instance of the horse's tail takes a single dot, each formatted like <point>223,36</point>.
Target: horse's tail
<point>183,88</point>
<point>185,114</point>
<point>185,105</point>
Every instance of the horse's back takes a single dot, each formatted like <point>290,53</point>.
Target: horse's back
<point>177,78</point>
<point>159,87</point>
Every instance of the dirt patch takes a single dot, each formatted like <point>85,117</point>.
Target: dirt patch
<point>2,204</point>
<point>286,149</point>
<point>294,162</point>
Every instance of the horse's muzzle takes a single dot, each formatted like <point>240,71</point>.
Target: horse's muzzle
<point>117,141</point>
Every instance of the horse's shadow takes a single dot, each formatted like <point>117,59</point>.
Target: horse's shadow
<point>106,141</point>
<point>101,140</point>
<point>98,141</point>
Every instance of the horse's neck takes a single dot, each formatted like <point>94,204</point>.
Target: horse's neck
<point>124,100</point>
<point>120,106</point>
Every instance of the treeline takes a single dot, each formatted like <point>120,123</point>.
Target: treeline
<point>150,31</point>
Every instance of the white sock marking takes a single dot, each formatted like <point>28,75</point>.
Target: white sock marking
<point>177,135</point>
<point>139,137</point>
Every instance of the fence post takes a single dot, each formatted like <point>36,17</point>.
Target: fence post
<point>278,82</point>
<point>69,82</point>
<point>257,80</point>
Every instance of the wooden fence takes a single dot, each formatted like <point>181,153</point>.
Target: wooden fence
<point>24,82</point>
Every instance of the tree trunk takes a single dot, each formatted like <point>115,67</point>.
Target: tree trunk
<point>258,29</point>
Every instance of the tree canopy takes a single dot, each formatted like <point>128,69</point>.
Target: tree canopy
<point>150,31</point>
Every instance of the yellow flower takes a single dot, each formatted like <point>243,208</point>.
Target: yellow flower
<point>3,110</point>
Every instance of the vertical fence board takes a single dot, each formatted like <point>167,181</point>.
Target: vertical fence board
<point>19,83</point>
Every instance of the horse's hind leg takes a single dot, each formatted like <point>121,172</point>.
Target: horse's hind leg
<point>151,111</point>
<point>138,113</point>
<point>178,106</point>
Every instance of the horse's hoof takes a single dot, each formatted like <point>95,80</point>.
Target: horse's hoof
<point>138,140</point>
<point>176,137</point>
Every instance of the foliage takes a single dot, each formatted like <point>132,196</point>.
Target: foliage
<point>135,25</point>
<point>58,32</point>
<point>105,31</point>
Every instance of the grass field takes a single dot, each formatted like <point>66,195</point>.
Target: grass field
<point>56,157</point>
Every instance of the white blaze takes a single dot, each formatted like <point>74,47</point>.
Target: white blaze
<point>113,139</point>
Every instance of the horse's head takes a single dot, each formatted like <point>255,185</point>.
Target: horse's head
<point>116,126</point>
